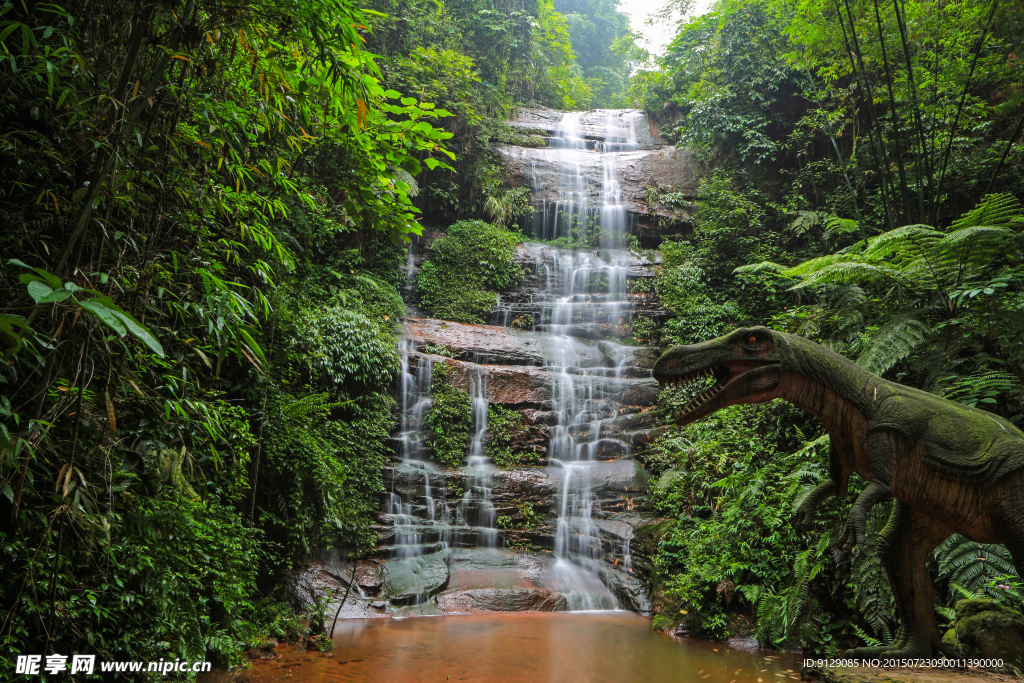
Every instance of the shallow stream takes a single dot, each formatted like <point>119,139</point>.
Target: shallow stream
<point>527,647</point>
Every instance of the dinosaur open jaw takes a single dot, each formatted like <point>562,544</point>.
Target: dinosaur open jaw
<point>724,374</point>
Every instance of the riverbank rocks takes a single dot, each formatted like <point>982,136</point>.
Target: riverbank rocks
<point>988,630</point>
<point>322,578</point>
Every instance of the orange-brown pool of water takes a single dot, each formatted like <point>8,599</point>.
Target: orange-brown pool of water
<point>598,647</point>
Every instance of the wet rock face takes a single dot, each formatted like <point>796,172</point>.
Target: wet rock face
<point>316,579</point>
<point>668,168</point>
<point>545,122</point>
<point>502,600</point>
<point>490,343</point>
<point>646,162</point>
<point>506,385</point>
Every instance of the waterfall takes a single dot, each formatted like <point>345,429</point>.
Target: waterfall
<point>478,470</point>
<point>586,293</point>
<point>551,352</point>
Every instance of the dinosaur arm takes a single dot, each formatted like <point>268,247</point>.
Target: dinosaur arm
<point>839,470</point>
<point>885,448</point>
<point>856,530</point>
<point>804,514</point>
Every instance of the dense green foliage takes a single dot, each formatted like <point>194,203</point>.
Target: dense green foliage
<point>594,27</point>
<point>849,149</point>
<point>449,418</point>
<point>479,59</point>
<point>204,210</point>
<point>468,267</point>
<point>503,426</point>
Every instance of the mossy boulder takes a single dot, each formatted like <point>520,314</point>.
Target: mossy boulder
<point>988,630</point>
<point>319,643</point>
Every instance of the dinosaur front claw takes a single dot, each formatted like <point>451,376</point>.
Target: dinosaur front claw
<point>802,518</point>
<point>855,534</point>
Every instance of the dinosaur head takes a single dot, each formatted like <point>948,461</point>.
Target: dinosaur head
<point>746,365</point>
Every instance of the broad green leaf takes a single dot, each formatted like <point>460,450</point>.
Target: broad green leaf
<point>39,290</point>
<point>106,314</point>
<point>140,331</point>
<point>50,278</point>
<point>54,297</point>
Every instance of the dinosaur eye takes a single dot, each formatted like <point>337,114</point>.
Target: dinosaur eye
<point>752,339</point>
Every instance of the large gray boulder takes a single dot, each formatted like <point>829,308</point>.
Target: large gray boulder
<point>412,580</point>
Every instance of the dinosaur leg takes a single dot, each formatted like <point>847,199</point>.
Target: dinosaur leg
<point>903,546</point>
<point>1011,506</point>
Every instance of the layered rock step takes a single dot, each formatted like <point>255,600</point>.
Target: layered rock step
<point>621,142</point>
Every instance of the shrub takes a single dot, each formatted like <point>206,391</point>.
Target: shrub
<point>469,266</point>
<point>449,419</point>
<point>335,346</point>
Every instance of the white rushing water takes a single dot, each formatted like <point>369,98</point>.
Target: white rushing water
<point>577,305</point>
<point>585,296</point>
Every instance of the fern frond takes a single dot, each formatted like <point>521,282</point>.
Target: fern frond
<point>848,297</point>
<point>908,239</point>
<point>804,222</point>
<point>762,267</point>
<point>996,210</point>
<point>840,226</point>
<point>868,640</point>
<point>846,272</point>
<point>893,342</point>
<point>314,404</point>
<point>871,584</point>
<point>982,387</point>
<point>971,568</point>
<point>816,264</point>
<point>403,176</point>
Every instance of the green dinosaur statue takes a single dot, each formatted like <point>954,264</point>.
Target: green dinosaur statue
<point>949,467</point>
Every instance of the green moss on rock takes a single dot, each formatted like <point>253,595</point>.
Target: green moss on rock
<point>988,630</point>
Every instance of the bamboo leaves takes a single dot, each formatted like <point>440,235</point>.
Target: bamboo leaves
<point>46,288</point>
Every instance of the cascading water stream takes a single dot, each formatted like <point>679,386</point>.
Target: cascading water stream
<point>573,385</point>
<point>478,471</point>
<point>587,294</point>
